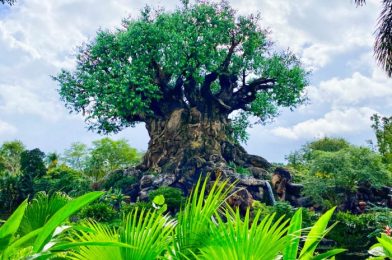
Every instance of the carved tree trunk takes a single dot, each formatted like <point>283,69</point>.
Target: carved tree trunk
<point>190,143</point>
<point>186,139</point>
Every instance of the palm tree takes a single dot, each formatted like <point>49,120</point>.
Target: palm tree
<point>10,2</point>
<point>383,44</point>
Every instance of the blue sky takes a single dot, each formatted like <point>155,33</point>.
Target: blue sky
<point>333,38</point>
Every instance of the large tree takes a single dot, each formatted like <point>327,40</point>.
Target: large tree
<point>183,73</point>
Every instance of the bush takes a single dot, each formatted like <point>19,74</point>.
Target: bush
<point>285,209</point>
<point>118,180</point>
<point>173,197</point>
<point>334,176</point>
<point>64,179</point>
<point>358,232</point>
<point>100,212</point>
<point>10,195</point>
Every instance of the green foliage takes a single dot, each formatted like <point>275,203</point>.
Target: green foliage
<point>147,234</point>
<point>382,127</point>
<point>239,169</point>
<point>65,179</point>
<point>107,155</point>
<point>10,153</point>
<point>10,195</point>
<point>332,170</point>
<point>32,166</point>
<point>33,243</point>
<point>114,197</point>
<point>238,127</point>
<point>76,156</point>
<point>357,232</point>
<point>103,157</point>
<point>40,210</point>
<point>173,197</point>
<point>206,229</point>
<point>158,60</point>
<point>246,239</point>
<point>383,249</point>
<point>194,221</point>
<point>101,212</point>
<point>118,180</point>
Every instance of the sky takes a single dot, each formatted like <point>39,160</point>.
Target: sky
<point>333,38</point>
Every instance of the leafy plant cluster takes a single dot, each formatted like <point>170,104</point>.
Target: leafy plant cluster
<point>332,170</point>
<point>24,173</point>
<point>205,228</point>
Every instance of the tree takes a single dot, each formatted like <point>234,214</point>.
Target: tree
<point>10,153</point>
<point>52,160</point>
<point>332,170</point>
<point>107,155</point>
<point>183,73</point>
<point>76,156</point>
<point>10,2</point>
<point>32,167</point>
<point>383,44</point>
<point>382,127</point>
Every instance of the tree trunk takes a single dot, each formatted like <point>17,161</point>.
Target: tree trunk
<point>188,144</point>
<point>187,138</point>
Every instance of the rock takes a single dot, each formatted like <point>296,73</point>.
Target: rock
<point>257,161</point>
<point>259,173</point>
<point>146,181</point>
<point>251,181</point>
<point>241,198</point>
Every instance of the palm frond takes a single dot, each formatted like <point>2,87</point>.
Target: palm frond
<point>91,231</point>
<point>246,239</point>
<point>383,44</point>
<point>40,210</point>
<point>195,220</point>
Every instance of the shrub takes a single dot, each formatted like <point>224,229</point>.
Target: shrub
<point>100,212</point>
<point>118,180</point>
<point>65,179</point>
<point>334,177</point>
<point>10,195</point>
<point>114,198</point>
<point>173,197</point>
<point>357,232</point>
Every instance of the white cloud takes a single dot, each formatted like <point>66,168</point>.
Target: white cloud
<point>353,90</point>
<point>334,122</point>
<point>7,128</point>
<point>19,100</point>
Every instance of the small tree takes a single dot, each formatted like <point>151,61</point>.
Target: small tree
<point>10,153</point>
<point>32,166</point>
<point>383,129</point>
<point>183,73</point>
<point>107,155</point>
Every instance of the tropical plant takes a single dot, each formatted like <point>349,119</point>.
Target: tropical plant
<point>245,238</point>
<point>312,239</point>
<point>383,249</point>
<point>173,197</point>
<point>40,210</point>
<point>382,127</point>
<point>383,44</point>
<point>146,235</point>
<point>194,220</point>
<point>37,241</point>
